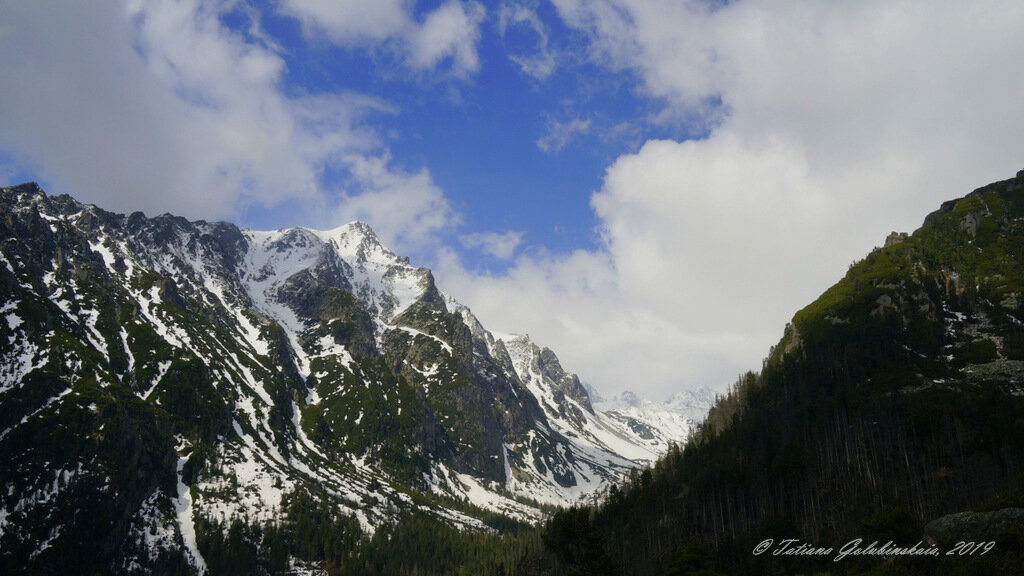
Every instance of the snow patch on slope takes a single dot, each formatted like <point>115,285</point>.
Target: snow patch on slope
<point>186,525</point>
<point>379,277</point>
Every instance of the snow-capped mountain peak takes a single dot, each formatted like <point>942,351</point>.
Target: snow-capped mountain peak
<point>258,365</point>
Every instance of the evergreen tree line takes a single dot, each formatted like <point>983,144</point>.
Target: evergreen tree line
<point>316,533</point>
<point>867,421</point>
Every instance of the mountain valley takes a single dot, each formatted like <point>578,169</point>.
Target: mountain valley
<point>185,397</point>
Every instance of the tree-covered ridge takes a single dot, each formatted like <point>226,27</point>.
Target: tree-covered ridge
<point>894,399</point>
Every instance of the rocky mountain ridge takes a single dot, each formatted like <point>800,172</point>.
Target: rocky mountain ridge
<point>658,423</point>
<point>185,375</point>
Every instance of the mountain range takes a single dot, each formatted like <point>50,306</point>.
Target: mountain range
<point>184,397</point>
<point>164,382</point>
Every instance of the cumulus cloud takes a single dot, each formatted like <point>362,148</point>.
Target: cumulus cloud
<point>157,106</point>
<point>691,223</point>
<point>574,304</point>
<point>559,134</point>
<point>700,255</point>
<point>502,246</point>
<point>829,125</point>
<point>838,77</point>
<point>407,210</point>
<point>350,21</point>
<point>448,33</point>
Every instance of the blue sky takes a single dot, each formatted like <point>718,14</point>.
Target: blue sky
<point>650,187</point>
<point>500,143</point>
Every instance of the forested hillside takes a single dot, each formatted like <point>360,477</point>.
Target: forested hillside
<point>894,399</point>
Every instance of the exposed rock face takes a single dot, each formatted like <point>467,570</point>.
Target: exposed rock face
<point>974,526</point>
<point>155,372</point>
<point>565,383</point>
<point>895,238</point>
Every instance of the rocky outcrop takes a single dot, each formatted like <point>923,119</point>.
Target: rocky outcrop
<point>973,526</point>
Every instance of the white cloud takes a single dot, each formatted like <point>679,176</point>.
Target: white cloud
<point>831,124</point>
<point>559,134</point>
<point>693,223</point>
<point>407,211</point>
<point>537,60</point>
<point>838,76</point>
<point>501,246</point>
<point>157,106</point>
<point>699,272</point>
<point>452,31</point>
<point>448,33</point>
<point>350,21</point>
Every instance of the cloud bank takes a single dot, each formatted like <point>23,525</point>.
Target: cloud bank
<point>828,125</point>
<point>823,126</point>
<point>158,106</point>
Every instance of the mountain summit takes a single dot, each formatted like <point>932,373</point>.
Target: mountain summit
<point>163,380</point>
